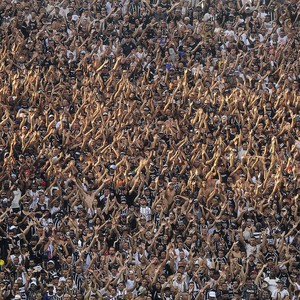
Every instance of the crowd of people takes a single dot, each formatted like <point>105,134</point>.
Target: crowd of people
<point>149,149</point>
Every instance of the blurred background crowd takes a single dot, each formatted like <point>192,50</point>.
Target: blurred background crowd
<point>149,149</point>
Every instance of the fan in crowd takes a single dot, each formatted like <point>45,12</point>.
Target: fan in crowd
<point>149,150</point>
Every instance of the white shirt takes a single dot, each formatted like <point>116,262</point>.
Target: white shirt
<point>34,195</point>
<point>64,11</point>
<point>249,2</point>
<point>279,294</point>
<point>186,253</point>
<point>261,37</point>
<point>261,15</point>
<point>251,249</point>
<point>16,201</point>
<point>50,7</point>
<point>54,210</point>
<point>138,255</point>
<point>282,40</point>
<point>272,284</point>
<point>297,286</point>
<point>13,256</point>
<point>229,32</point>
<point>108,7</point>
<point>241,152</point>
<point>207,17</point>
<point>121,293</point>
<point>268,26</point>
<point>129,284</point>
<point>45,222</point>
<point>245,39</point>
<point>146,212</point>
<point>180,285</point>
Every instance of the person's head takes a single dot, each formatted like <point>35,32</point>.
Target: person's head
<point>158,286</point>
<point>121,286</point>
<point>69,282</point>
<point>162,278</point>
<point>26,206</point>
<point>59,290</point>
<point>272,273</point>
<point>50,265</point>
<point>253,274</point>
<point>65,272</point>
<point>252,240</point>
<point>50,289</point>
<point>214,274</point>
<point>78,269</point>
<point>143,201</point>
<point>144,282</point>
<point>252,296</point>
<point>155,260</point>
<point>179,276</point>
<point>280,284</point>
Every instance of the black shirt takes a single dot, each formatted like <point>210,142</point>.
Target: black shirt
<point>127,48</point>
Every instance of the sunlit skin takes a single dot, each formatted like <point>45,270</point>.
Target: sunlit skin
<point>149,148</point>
